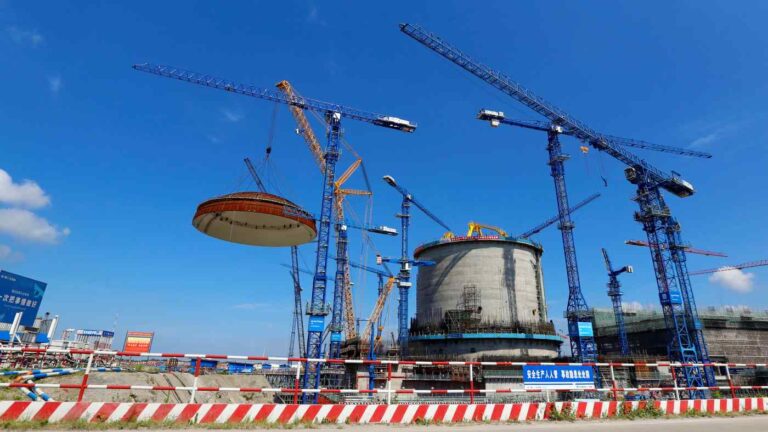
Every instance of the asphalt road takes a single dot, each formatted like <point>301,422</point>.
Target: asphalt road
<point>756,423</point>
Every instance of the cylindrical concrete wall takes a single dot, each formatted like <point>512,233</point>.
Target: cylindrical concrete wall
<point>484,297</point>
<point>506,274</point>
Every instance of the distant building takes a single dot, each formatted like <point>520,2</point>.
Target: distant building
<point>89,339</point>
<point>733,334</point>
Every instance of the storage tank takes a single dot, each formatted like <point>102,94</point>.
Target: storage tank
<point>483,298</point>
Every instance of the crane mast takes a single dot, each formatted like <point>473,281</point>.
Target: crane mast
<point>614,292</point>
<point>675,293</point>
<point>404,276</point>
<point>342,292</point>
<point>333,113</point>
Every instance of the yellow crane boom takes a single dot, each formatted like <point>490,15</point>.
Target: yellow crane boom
<point>305,130</point>
<point>377,309</point>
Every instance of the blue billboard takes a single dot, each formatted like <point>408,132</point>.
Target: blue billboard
<point>20,294</point>
<point>558,377</point>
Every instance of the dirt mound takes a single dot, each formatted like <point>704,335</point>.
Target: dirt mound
<point>174,379</point>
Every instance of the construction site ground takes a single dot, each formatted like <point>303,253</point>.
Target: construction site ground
<point>175,379</point>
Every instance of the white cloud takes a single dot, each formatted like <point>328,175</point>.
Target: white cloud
<point>734,280</point>
<point>232,116</point>
<point>25,194</point>
<point>54,83</point>
<point>25,225</point>
<point>8,254</point>
<point>213,139</point>
<point>25,37</point>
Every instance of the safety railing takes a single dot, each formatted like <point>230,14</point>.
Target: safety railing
<point>610,389</point>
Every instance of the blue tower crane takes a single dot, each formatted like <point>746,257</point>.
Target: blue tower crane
<point>371,343</point>
<point>687,343</point>
<point>404,276</point>
<point>333,113</point>
<point>614,292</point>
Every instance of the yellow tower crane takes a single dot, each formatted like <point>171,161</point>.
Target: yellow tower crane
<point>305,130</point>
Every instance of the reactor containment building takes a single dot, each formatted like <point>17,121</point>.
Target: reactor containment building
<point>482,299</point>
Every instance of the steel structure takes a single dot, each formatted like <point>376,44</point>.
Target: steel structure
<point>750,264</point>
<point>688,249</point>
<point>538,228</point>
<point>675,292</point>
<point>342,290</point>
<point>333,113</point>
<point>404,276</point>
<point>614,292</point>
<point>374,337</point>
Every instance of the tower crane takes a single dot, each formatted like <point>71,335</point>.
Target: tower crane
<point>342,290</point>
<point>614,292</point>
<point>686,248</point>
<point>297,324</point>
<point>733,267</point>
<point>687,342</point>
<point>404,276</point>
<point>333,114</point>
<point>371,340</point>
<point>497,118</point>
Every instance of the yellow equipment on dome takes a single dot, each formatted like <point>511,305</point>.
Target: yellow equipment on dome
<point>476,229</point>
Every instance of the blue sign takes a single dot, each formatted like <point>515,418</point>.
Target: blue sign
<point>558,377</point>
<point>235,368</point>
<point>675,297</point>
<point>20,294</point>
<point>316,323</point>
<point>585,329</point>
<point>335,337</point>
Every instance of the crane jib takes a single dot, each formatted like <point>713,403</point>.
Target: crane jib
<point>554,114</point>
<point>305,103</point>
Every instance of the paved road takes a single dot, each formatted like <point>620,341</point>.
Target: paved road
<point>757,423</point>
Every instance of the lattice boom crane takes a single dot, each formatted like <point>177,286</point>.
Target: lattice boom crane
<point>675,293</point>
<point>333,114</point>
<point>404,276</point>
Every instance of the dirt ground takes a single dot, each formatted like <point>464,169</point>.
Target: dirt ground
<point>176,379</point>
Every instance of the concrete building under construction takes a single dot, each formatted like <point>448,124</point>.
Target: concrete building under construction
<point>733,334</point>
<point>484,298</point>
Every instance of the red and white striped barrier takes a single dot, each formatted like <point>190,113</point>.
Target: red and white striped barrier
<point>262,358</point>
<point>95,412</point>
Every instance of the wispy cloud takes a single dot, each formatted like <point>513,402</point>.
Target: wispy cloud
<point>313,16</point>
<point>734,280</point>
<point>705,140</point>
<point>250,306</point>
<point>54,84</point>
<point>8,254</point>
<point>232,116</point>
<point>213,139</point>
<point>27,193</point>
<point>25,37</point>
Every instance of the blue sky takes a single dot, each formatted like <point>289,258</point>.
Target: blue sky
<point>120,159</point>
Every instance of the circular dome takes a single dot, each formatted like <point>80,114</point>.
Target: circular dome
<point>255,218</point>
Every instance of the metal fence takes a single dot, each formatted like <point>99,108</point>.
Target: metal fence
<point>661,378</point>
